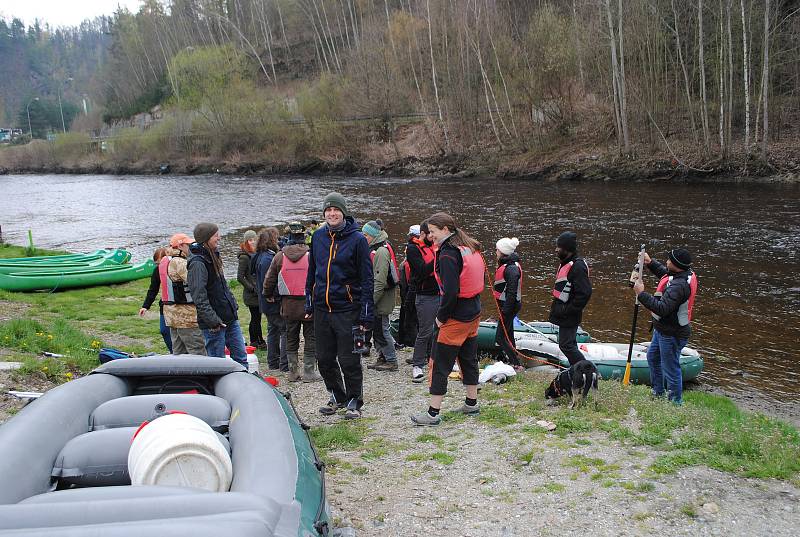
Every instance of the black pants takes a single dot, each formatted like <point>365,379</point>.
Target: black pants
<point>508,346</point>
<point>256,335</point>
<point>568,345</point>
<point>339,366</point>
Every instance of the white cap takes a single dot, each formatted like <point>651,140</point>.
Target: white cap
<point>413,230</point>
<point>507,246</point>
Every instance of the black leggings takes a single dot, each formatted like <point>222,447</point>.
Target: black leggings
<point>256,336</point>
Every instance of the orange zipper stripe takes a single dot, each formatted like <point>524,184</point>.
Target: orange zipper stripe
<point>328,274</point>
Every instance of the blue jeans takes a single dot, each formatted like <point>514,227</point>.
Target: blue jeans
<point>164,329</point>
<point>663,357</point>
<point>230,336</point>
<point>383,338</point>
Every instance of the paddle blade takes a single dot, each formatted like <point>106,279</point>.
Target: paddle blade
<point>626,379</point>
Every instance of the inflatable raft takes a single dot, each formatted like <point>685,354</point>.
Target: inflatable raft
<point>610,358</point>
<point>64,460</point>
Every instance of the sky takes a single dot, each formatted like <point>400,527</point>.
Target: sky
<point>62,12</point>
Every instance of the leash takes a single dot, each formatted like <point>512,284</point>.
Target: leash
<point>501,323</point>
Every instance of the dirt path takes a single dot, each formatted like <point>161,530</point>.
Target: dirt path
<point>470,477</point>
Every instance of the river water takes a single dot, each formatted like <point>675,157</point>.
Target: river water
<point>745,239</point>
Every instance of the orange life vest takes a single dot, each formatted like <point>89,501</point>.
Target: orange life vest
<point>292,277</point>
<point>471,280</point>
<point>563,287</point>
<point>394,274</point>
<point>684,310</point>
<point>428,255</point>
<point>499,288</point>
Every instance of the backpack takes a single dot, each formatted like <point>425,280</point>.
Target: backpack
<point>108,354</point>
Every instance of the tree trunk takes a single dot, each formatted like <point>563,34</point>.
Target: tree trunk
<point>746,76</point>
<point>702,61</point>
<point>622,85</point>
<point>683,68</point>
<point>721,80</point>
<point>765,83</point>
<point>615,77</point>
<point>577,45</point>
<point>433,78</point>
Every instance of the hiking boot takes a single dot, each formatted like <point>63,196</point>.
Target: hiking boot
<point>386,366</point>
<point>330,408</point>
<point>295,376</point>
<point>417,375</point>
<point>423,418</point>
<point>469,410</point>
<point>352,412</point>
<point>311,377</point>
<point>410,361</point>
<point>381,360</point>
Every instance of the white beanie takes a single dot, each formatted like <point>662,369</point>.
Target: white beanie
<point>413,230</point>
<point>507,246</point>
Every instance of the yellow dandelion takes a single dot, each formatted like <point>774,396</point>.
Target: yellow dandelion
<point>68,375</point>
<point>44,368</point>
<point>49,336</point>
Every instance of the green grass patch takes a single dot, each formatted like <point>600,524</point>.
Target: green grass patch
<point>497,415</point>
<point>8,251</point>
<point>430,438</point>
<point>552,488</point>
<point>343,436</point>
<point>375,449</point>
<point>443,458</point>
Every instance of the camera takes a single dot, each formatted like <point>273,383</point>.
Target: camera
<point>359,341</point>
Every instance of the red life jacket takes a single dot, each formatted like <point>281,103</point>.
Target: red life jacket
<point>292,277</point>
<point>428,255</point>
<point>499,288</point>
<point>172,292</point>
<point>471,280</point>
<point>684,312</point>
<point>394,273</point>
<point>563,287</point>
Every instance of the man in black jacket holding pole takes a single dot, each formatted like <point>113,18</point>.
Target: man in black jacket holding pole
<point>571,293</point>
<point>671,306</point>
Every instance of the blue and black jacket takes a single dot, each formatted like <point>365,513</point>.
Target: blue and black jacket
<point>340,272</point>
<point>210,292</point>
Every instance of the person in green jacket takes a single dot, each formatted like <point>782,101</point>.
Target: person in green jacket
<point>247,278</point>
<point>385,276</point>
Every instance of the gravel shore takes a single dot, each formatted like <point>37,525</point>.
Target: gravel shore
<point>477,477</point>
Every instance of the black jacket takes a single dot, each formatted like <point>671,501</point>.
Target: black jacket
<point>152,291</point>
<point>569,313</point>
<point>448,266</point>
<point>667,305</point>
<point>215,303</point>
<point>422,279</point>
<point>512,276</point>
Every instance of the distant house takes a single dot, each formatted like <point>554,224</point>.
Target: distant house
<point>8,135</point>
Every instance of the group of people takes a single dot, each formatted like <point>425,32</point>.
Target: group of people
<point>337,285</point>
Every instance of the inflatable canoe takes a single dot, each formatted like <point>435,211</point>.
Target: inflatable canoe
<point>50,279</point>
<point>610,359</point>
<point>486,333</point>
<point>113,259</point>
<point>118,256</point>
<point>64,457</point>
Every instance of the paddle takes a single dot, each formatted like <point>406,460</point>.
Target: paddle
<point>636,274</point>
<point>550,337</point>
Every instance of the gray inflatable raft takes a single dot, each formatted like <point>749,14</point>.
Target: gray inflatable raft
<point>63,458</point>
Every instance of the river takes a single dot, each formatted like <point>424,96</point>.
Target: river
<point>744,238</point>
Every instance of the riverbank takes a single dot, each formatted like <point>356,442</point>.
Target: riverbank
<point>411,156</point>
<point>707,467</point>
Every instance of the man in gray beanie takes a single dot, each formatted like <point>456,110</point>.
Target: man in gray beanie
<point>217,310</point>
<point>339,295</point>
<point>571,294</point>
<point>671,306</point>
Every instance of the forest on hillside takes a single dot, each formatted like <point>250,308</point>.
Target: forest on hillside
<point>690,79</point>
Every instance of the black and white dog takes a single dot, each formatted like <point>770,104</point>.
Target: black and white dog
<point>575,382</point>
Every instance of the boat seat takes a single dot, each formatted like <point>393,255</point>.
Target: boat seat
<point>133,511</point>
<point>99,458</point>
<point>133,410</point>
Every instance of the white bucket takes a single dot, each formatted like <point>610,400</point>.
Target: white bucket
<point>179,450</point>
<point>252,363</point>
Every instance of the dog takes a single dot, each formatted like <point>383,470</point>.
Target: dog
<point>575,381</point>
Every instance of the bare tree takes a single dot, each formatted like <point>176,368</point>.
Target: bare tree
<point>765,82</point>
<point>746,76</point>
<point>702,62</point>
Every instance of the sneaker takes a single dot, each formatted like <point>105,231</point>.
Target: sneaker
<point>386,366</point>
<point>469,410</point>
<point>352,412</point>
<point>330,408</point>
<point>417,375</point>
<point>423,418</point>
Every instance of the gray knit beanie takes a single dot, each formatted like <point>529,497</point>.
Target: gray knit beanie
<point>249,234</point>
<point>334,199</point>
<point>204,231</point>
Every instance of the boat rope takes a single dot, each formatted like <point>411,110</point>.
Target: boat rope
<point>501,324</point>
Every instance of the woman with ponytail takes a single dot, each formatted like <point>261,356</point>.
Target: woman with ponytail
<point>459,269</point>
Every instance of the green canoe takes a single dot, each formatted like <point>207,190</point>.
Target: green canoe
<point>75,277</point>
<point>115,258</point>
<point>488,329</point>
<point>56,258</point>
<point>610,359</point>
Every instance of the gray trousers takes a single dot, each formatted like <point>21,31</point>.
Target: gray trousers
<point>427,306</point>
<point>187,341</point>
<point>293,329</point>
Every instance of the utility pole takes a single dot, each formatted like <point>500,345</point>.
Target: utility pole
<point>60,108</point>
<point>28,111</point>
